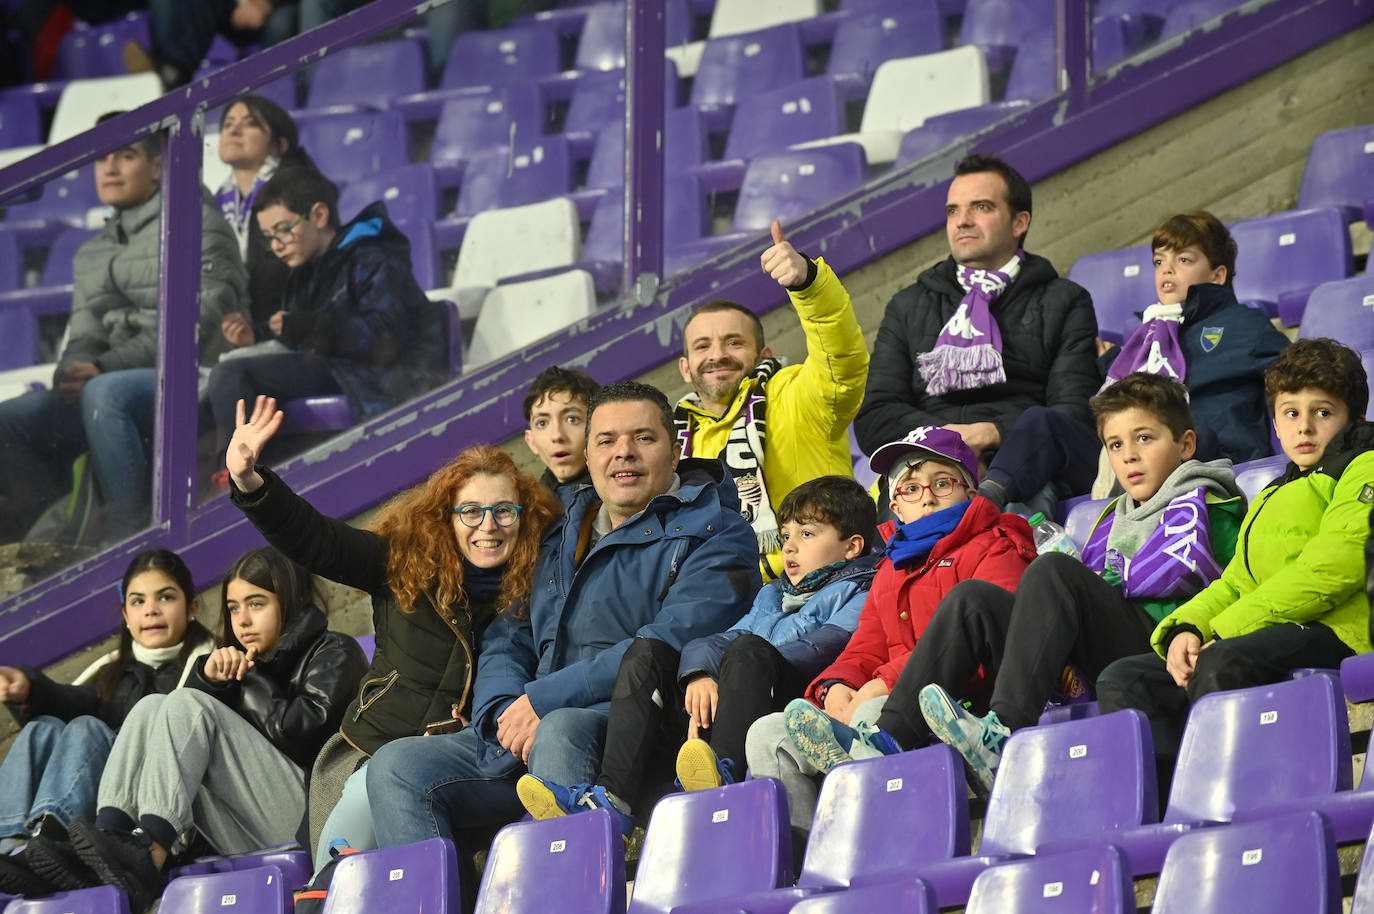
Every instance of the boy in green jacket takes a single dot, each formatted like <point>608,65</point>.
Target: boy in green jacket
<point>1293,595</point>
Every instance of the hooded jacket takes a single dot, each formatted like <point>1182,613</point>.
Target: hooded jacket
<point>685,566</point>
<point>987,544</point>
<point>1049,351</point>
<point>358,305</point>
<point>295,695</point>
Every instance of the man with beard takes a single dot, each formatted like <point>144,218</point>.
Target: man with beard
<point>775,427</point>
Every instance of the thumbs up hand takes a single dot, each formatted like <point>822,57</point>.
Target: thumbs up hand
<point>782,262</point>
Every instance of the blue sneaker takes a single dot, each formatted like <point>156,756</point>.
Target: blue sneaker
<point>547,800</point>
<point>698,768</point>
<point>978,739</point>
<point>825,742</point>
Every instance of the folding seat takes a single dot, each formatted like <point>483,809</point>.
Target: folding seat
<point>367,76</point>
<point>938,132</point>
<point>807,110</point>
<point>1140,20</point>
<point>20,121</point>
<point>501,57</point>
<point>84,100</point>
<point>11,266</point>
<point>864,41</point>
<point>684,148</point>
<point>1284,865</point>
<point>602,43</point>
<point>93,51</point>
<point>736,66</point>
<point>1004,27</point>
<point>293,864</point>
<point>424,255</point>
<point>520,313</point>
<point>54,293</point>
<point>1034,72</point>
<point>1340,171</point>
<point>734,17</point>
<point>537,169</point>
<point>1078,710</point>
<point>351,146</point>
<point>103,900</point>
<point>571,863</point>
<point>1282,257</point>
<point>70,199</point>
<point>1092,879</point>
<point>598,102</point>
<point>1187,16</point>
<point>1244,750</point>
<point>260,890</point>
<point>18,338</point>
<point>1110,45</point>
<point>684,219</point>
<point>909,896</point>
<point>1121,283</point>
<point>481,120</point>
<point>1254,475</point>
<point>409,192</point>
<point>1342,309</point>
<point>709,845</point>
<point>412,877</point>
<point>1081,518</point>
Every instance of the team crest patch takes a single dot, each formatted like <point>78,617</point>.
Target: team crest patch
<point>1367,495</point>
<point>1211,338</point>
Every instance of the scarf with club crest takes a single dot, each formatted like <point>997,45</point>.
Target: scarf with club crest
<point>968,352</point>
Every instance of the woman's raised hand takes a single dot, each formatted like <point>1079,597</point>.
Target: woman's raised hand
<point>250,436</point>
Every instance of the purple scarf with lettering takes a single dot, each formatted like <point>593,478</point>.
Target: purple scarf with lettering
<point>1153,348</point>
<point>968,351</point>
<point>1174,561</point>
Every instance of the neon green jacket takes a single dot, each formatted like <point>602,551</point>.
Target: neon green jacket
<point>810,405</point>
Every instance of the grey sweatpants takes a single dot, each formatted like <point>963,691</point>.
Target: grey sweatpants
<point>189,759</point>
<point>772,754</point>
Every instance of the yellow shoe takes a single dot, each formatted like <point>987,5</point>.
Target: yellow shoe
<point>699,769</point>
<point>540,801</point>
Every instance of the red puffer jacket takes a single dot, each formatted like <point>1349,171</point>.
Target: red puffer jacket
<point>987,544</point>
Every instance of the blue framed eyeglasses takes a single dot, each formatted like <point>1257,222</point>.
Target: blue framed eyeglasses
<point>472,514</point>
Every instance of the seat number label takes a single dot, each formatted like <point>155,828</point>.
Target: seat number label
<point>1250,858</point>
<point>228,901</point>
<point>1054,889</point>
<point>1078,751</point>
<point>894,784</point>
<point>396,875</point>
<point>720,815</point>
<point>1268,717</point>
<point>557,847</point>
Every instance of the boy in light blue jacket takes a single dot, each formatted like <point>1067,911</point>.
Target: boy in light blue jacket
<point>722,683</point>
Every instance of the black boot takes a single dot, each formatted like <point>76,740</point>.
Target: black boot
<point>121,859</point>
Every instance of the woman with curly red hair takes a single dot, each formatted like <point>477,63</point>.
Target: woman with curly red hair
<point>440,562</point>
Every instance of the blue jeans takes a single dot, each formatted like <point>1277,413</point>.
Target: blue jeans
<point>349,820</point>
<point>117,412</point>
<point>52,768</point>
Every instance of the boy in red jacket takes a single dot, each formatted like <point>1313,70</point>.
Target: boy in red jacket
<point>945,535</point>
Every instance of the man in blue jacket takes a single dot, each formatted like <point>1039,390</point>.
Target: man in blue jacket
<point>655,547</point>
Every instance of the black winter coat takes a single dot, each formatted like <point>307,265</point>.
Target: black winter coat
<point>425,659</point>
<point>296,695</point>
<point>1049,334</point>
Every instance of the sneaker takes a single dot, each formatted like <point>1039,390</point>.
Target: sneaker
<point>57,861</point>
<point>547,800</point>
<point>825,742</point>
<point>698,768</point>
<point>978,739</point>
<point>18,878</point>
<point>121,859</point>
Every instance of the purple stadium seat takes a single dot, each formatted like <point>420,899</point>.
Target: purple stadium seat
<point>1078,710</point>
<point>283,91</point>
<point>684,221</point>
<point>481,120</point>
<point>602,45</point>
<point>1284,256</point>
<point>903,30</point>
<point>941,130</point>
<point>1000,27</point>
<point>863,474</point>
<point>1245,749</point>
<point>909,896</point>
<point>1340,171</point>
<point>103,900</point>
<point>369,645</point>
<point>1357,677</point>
<point>54,294</point>
<point>367,76</point>
<point>67,199</point>
<point>778,118</point>
<point>289,860</point>
<point>90,51</point>
<point>1283,865</point>
<point>409,192</point>
<point>1110,43</point>
<point>684,148</point>
<point>351,146</point>
<point>1187,16</point>
<point>1092,879</point>
<point>709,845</point>
<point>501,57</point>
<point>424,255</point>
<point>1121,283</point>
<point>1140,19</point>
<point>260,890</point>
<point>1081,518</point>
<point>1343,310</point>
<point>18,338</point>
<point>1033,72</point>
<point>736,66</point>
<point>11,267</point>
<point>20,121</point>
<point>412,877</point>
<point>511,176</point>
<point>1363,902</point>
<point>571,863</point>
<point>1253,475</point>
<point>598,102</point>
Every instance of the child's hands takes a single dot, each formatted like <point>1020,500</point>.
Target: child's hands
<point>14,685</point>
<point>1182,658</point>
<point>838,701</point>
<point>229,663</point>
<point>871,689</point>
<point>701,697</point>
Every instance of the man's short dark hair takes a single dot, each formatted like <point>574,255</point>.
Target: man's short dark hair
<point>555,379</point>
<point>837,501</point>
<point>150,144</point>
<point>299,189</point>
<point>1161,397</point>
<point>722,304</point>
<point>631,391</point>
<point>1018,189</point>
<point>1321,363</point>
<point>1199,230</point>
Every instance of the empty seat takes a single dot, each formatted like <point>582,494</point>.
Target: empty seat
<point>260,890</point>
<point>598,102</point>
<point>1121,283</point>
<point>481,120</point>
<point>684,148</point>
<point>424,254</point>
<point>93,51</point>
<point>906,896</point>
<point>515,315</point>
<point>103,900</point>
<point>20,121</point>
<point>351,146</point>
<point>500,57</point>
<point>515,175</point>
<point>1343,310</point>
<point>18,338</point>
<point>713,844</point>
<point>1185,17</point>
<point>1002,28</point>
<point>795,113</point>
<point>684,220</point>
<point>1284,865</point>
<point>570,863</point>
<point>368,75</point>
<point>1034,72</point>
<point>413,877</point>
<point>739,65</point>
<point>70,199</point>
<point>1282,257</point>
<point>602,43</point>
<point>1340,171</point>
<point>502,243</point>
<point>940,131</point>
<point>84,100</point>
<point>409,192</point>
<point>1253,476</point>
<point>865,41</point>
<point>1110,42</point>
<point>732,17</point>
<point>1092,879</point>
<point>54,293</point>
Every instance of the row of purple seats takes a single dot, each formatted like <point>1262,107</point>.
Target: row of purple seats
<point>1342,310</point>
<point>1340,173</point>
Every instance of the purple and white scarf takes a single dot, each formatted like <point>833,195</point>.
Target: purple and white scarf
<point>1153,348</point>
<point>1174,561</point>
<point>237,208</point>
<point>968,351</point>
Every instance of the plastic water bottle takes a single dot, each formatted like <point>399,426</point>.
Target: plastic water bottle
<point>1050,537</point>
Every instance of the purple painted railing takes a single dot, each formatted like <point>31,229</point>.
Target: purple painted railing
<point>381,457</point>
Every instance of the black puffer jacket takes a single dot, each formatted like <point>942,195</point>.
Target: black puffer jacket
<point>1049,334</point>
<point>296,695</point>
<point>425,659</point>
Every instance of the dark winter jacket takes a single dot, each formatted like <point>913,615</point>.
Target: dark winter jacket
<point>1049,334</point>
<point>686,566</point>
<point>358,305</point>
<point>565,491</point>
<point>296,695</point>
<point>425,659</point>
